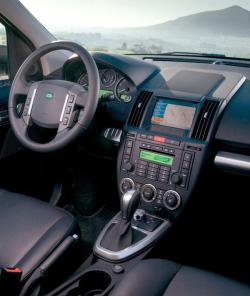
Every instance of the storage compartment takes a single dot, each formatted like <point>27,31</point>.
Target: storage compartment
<point>92,283</point>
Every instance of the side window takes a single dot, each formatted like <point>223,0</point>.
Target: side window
<point>4,69</point>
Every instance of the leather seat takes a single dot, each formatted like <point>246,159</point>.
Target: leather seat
<point>30,230</point>
<point>157,277</point>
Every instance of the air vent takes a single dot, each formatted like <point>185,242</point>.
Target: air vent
<point>205,119</point>
<point>138,110</point>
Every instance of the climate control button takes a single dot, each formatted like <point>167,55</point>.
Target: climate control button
<point>148,192</point>
<point>126,184</point>
<point>171,200</point>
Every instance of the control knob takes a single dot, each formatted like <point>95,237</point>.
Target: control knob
<point>148,192</point>
<point>176,179</point>
<point>129,167</point>
<point>171,200</point>
<point>126,184</point>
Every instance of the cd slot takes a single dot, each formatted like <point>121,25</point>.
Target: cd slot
<point>157,148</point>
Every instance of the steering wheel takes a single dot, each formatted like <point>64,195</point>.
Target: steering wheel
<point>54,104</point>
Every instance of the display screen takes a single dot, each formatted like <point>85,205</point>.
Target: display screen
<point>173,115</point>
<point>157,157</point>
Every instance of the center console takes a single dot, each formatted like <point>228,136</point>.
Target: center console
<point>160,160</point>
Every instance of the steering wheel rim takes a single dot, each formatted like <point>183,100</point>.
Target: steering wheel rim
<point>59,94</point>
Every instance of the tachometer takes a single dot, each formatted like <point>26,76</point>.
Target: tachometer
<point>108,78</point>
<point>125,90</point>
<point>83,80</point>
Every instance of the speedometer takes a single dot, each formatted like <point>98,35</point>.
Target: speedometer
<point>125,90</point>
<point>108,78</point>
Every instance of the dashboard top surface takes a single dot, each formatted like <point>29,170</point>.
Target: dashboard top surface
<point>191,79</point>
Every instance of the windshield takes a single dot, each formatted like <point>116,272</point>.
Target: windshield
<point>149,26</point>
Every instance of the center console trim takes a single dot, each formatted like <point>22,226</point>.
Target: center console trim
<point>151,237</point>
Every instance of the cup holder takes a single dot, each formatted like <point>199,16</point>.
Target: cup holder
<point>92,283</point>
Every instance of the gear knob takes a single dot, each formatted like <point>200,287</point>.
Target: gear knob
<point>129,203</point>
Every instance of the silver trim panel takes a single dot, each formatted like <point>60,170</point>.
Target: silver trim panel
<point>64,107</point>
<point>130,251</point>
<point>233,162</point>
<point>32,101</point>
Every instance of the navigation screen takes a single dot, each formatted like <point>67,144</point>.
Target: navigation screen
<point>172,115</point>
<point>157,157</point>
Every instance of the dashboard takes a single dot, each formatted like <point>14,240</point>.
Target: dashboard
<point>174,93</point>
<point>173,113</point>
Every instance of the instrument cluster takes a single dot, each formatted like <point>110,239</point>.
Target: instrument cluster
<point>113,85</point>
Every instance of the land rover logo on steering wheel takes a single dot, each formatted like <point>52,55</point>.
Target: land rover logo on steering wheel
<point>49,95</point>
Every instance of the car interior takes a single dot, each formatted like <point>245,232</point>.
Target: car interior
<point>121,174</point>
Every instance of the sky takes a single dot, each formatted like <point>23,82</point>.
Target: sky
<point>69,14</point>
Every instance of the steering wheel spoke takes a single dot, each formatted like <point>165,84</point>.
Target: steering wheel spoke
<point>82,99</point>
<point>22,127</point>
<point>23,87</point>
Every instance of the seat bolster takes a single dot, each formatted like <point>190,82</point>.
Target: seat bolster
<point>196,282</point>
<point>149,278</point>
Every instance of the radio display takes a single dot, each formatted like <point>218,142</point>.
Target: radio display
<point>157,157</point>
<point>173,115</point>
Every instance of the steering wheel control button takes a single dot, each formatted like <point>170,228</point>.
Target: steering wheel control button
<point>68,109</point>
<point>65,120</point>
<point>126,184</point>
<point>148,192</point>
<point>25,112</point>
<point>71,98</point>
<point>172,200</point>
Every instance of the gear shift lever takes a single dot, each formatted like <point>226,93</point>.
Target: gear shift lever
<point>121,236</point>
<point>129,203</point>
